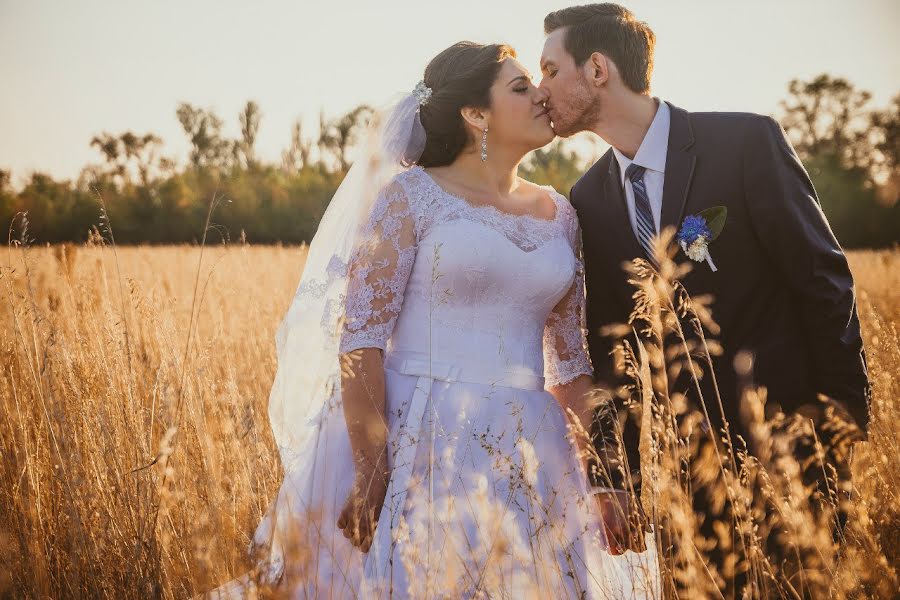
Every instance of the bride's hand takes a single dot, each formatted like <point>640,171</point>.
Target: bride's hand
<point>623,521</point>
<point>361,510</point>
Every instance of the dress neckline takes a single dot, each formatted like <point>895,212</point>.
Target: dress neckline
<point>490,208</point>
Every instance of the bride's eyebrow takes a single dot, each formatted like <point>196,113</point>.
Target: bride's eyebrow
<point>524,77</point>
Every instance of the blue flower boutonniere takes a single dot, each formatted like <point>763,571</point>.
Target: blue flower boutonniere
<point>697,231</point>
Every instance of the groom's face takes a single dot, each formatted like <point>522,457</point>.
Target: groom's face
<point>571,102</point>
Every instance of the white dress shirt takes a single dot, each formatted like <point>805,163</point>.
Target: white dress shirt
<point>651,155</point>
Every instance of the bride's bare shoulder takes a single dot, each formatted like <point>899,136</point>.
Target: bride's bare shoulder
<point>536,189</point>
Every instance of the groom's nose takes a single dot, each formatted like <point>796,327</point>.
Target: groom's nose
<point>543,94</point>
<point>542,86</point>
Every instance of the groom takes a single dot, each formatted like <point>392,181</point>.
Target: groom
<point>782,287</point>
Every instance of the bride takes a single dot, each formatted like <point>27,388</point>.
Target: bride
<point>426,364</point>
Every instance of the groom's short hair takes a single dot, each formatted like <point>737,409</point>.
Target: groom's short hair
<point>613,31</point>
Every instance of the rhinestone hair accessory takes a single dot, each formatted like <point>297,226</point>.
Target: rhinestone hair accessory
<point>422,93</point>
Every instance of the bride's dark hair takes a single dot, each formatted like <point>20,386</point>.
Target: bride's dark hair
<point>461,75</point>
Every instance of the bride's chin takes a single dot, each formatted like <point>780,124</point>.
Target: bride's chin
<point>549,136</point>
<point>544,134</point>
<point>541,137</point>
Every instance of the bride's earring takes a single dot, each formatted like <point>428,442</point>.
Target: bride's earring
<point>484,145</point>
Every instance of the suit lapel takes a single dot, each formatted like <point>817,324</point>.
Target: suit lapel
<point>612,211</point>
<point>613,240</point>
<point>617,208</point>
<point>680,165</point>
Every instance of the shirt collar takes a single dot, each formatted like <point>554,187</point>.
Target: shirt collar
<point>651,153</point>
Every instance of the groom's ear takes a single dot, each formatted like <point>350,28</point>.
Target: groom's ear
<point>597,68</point>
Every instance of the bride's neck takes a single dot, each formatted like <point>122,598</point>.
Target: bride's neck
<point>498,174</point>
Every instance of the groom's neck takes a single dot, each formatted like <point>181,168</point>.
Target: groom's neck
<point>624,121</point>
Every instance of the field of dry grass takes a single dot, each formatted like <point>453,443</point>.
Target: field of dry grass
<point>136,451</point>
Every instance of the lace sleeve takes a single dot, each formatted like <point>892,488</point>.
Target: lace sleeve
<point>565,333</point>
<point>378,271</point>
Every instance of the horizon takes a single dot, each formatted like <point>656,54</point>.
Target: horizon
<point>74,70</point>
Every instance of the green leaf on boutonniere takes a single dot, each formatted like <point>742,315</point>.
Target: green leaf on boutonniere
<point>715,219</point>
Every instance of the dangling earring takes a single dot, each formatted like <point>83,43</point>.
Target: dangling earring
<point>484,145</point>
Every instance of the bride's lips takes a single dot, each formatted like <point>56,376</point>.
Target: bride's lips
<point>543,113</point>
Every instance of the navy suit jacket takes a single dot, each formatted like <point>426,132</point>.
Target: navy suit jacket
<point>783,289</point>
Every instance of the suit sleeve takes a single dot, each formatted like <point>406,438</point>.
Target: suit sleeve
<point>597,309</point>
<point>796,236</point>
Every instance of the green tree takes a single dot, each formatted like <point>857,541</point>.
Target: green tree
<point>886,145</point>
<point>150,199</point>
<point>57,212</point>
<point>843,145</point>
<point>854,211</point>
<point>337,137</point>
<point>297,155</point>
<point>129,153</point>
<point>7,198</point>
<point>204,131</point>
<point>827,115</point>
<point>554,165</point>
<point>249,118</point>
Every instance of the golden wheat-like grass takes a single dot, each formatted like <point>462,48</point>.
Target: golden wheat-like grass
<point>137,455</point>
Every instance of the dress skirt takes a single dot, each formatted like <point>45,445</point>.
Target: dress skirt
<point>487,499</point>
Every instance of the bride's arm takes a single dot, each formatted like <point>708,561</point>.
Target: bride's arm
<point>569,376</point>
<point>362,391</point>
<point>378,272</point>
<point>575,396</point>
<point>597,445</point>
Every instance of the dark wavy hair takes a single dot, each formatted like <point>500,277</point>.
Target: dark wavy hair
<point>612,30</point>
<point>461,75</point>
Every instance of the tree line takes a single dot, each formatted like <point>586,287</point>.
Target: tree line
<point>849,148</point>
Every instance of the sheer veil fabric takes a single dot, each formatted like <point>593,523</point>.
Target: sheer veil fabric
<point>307,377</point>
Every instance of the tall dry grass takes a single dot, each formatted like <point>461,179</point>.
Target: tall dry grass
<point>770,519</point>
<point>110,387</point>
<point>137,456</point>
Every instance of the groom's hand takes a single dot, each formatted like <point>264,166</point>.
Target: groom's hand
<point>623,521</point>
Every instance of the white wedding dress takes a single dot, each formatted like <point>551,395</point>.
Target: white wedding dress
<point>477,312</point>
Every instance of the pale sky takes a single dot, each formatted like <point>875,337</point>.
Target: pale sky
<point>73,69</point>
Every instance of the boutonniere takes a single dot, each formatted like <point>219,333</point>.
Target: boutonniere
<point>697,231</point>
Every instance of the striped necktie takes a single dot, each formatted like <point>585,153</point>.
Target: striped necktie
<point>642,211</point>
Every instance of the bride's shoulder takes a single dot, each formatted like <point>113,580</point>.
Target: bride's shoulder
<point>418,187</point>
<point>559,199</point>
<point>402,184</point>
<point>409,181</point>
<point>404,189</point>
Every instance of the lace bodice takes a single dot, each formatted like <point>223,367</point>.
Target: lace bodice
<point>434,273</point>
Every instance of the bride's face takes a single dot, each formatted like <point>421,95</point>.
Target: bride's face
<point>517,116</point>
